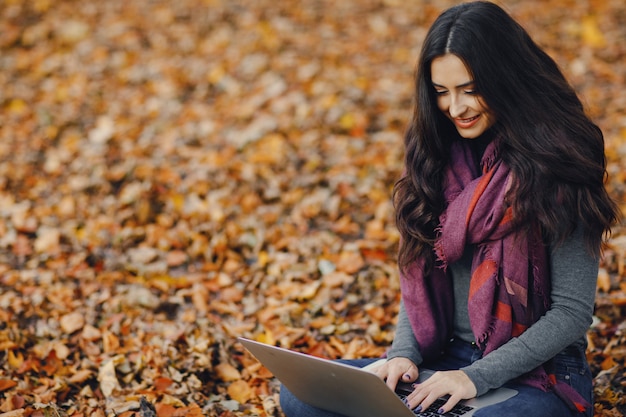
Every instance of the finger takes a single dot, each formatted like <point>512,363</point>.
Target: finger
<point>421,402</point>
<point>449,405</point>
<point>417,397</point>
<point>410,375</point>
<point>392,379</point>
<point>427,392</point>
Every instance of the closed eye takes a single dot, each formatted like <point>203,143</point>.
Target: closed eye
<point>467,88</point>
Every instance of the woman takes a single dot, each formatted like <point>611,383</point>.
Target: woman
<point>502,211</point>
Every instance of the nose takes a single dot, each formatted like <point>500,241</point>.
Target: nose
<point>457,105</point>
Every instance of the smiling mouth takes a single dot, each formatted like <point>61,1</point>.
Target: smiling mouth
<point>466,123</point>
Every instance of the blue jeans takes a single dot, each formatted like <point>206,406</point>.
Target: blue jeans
<point>571,367</point>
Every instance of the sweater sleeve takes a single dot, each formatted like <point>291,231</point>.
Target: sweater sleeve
<point>574,273</point>
<point>404,343</point>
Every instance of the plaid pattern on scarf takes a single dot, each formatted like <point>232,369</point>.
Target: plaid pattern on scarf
<point>510,281</point>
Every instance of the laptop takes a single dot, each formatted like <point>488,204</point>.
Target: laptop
<point>351,391</point>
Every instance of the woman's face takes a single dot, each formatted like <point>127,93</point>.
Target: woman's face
<point>457,97</point>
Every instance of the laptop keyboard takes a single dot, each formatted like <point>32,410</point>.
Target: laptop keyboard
<point>457,410</point>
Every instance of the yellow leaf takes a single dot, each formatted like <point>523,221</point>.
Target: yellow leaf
<point>178,200</point>
<point>216,74</point>
<point>227,372</point>
<point>41,6</point>
<point>268,35</point>
<point>240,391</point>
<point>269,149</point>
<point>15,360</point>
<point>262,259</point>
<point>347,121</point>
<point>267,337</point>
<point>173,401</point>
<point>17,107</point>
<point>591,33</point>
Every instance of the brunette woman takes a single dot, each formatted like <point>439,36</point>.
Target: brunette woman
<point>502,211</point>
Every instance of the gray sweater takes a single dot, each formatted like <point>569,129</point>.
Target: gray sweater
<point>574,274</point>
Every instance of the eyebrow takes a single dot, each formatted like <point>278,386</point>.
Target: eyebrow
<point>467,84</point>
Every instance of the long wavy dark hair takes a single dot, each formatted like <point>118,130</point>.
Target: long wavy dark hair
<point>555,152</point>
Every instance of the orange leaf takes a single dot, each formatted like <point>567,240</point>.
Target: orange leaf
<point>164,410</point>
<point>6,384</point>
<point>162,383</point>
<point>193,410</point>
<point>374,254</point>
<point>608,363</point>
<point>350,262</point>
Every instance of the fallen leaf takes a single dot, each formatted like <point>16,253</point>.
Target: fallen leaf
<point>591,33</point>
<point>72,322</point>
<point>240,391</point>
<point>226,372</point>
<point>6,384</point>
<point>81,376</point>
<point>108,378</point>
<point>14,413</point>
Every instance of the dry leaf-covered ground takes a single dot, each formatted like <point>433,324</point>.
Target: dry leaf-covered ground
<point>174,174</point>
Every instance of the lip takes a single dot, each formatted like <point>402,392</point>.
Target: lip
<point>467,122</point>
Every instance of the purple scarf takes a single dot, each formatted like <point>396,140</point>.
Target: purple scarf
<point>505,264</point>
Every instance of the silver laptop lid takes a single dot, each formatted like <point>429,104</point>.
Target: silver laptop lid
<point>329,385</point>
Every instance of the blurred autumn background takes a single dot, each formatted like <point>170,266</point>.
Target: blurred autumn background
<point>174,174</point>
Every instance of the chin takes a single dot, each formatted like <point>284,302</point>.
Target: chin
<point>471,135</point>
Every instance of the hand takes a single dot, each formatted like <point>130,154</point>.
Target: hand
<point>454,383</point>
<point>397,369</point>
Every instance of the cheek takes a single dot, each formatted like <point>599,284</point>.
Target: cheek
<point>480,106</point>
<point>442,103</point>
